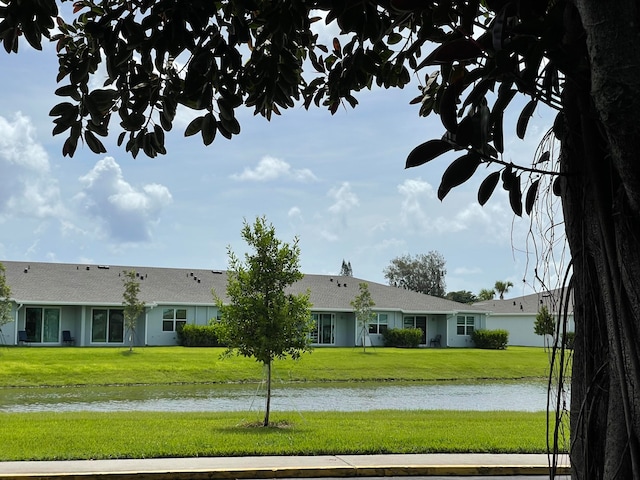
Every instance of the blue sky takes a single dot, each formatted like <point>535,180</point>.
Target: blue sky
<point>337,182</point>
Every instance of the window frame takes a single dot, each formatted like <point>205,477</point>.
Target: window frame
<point>376,327</point>
<point>112,334</point>
<point>44,325</point>
<point>465,324</point>
<point>177,318</point>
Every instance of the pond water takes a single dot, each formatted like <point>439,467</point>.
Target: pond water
<point>521,396</point>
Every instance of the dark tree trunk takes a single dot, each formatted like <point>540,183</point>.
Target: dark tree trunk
<point>268,406</point>
<point>601,202</point>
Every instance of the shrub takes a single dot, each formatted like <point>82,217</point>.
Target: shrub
<point>568,340</point>
<point>198,336</point>
<point>402,337</point>
<point>491,339</point>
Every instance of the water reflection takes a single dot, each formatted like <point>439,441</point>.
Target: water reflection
<point>530,396</point>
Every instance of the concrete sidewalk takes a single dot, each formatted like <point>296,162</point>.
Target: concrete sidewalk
<point>284,467</point>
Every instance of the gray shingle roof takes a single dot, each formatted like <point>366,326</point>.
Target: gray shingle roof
<point>80,284</point>
<point>527,304</point>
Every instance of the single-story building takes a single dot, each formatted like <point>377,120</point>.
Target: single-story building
<point>84,302</point>
<point>518,315</point>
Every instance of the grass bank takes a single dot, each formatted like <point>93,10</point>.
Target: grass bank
<point>63,436</point>
<point>35,366</point>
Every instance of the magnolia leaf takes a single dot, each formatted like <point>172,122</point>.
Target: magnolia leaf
<point>508,177</point>
<point>460,170</point>
<point>93,143</point>
<point>531,196</point>
<point>457,50</point>
<point>194,126</point>
<point>525,115</point>
<point>557,186</point>
<point>515,196</point>
<point>544,157</point>
<point>209,128</point>
<point>498,135</point>
<point>69,147</point>
<point>487,187</point>
<point>448,106</point>
<point>426,152</point>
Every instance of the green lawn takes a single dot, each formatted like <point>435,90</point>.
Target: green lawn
<point>35,366</point>
<point>58,436</point>
<point>27,436</point>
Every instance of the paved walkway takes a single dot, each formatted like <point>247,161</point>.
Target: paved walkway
<point>283,467</point>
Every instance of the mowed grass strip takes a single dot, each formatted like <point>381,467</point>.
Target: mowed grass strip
<point>64,436</point>
<point>56,366</point>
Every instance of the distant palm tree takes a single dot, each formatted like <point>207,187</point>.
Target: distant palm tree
<point>486,294</point>
<point>502,288</point>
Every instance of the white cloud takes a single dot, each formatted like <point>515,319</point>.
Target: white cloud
<point>467,271</point>
<point>344,198</point>
<point>128,213</point>
<point>271,168</point>
<point>28,189</point>
<point>414,193</point>
<point>294,212</point>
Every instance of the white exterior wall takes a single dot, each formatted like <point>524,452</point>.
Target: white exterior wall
<point>520,328</point>
<point>455,340</point>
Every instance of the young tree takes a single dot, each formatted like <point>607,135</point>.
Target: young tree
<point>579,57</point>
<point>346,270</point>
<point>486,294</point>
<point>261,320</point>
<point>6,304</point>
<point>362,305</point>
<point>502,288</point>
<point>133,307</point>
<point>544,325</point>
<point>422,273</point>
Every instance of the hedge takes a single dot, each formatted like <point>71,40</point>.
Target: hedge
<point>198,336</point>
<point>402,337</point>
<point>490,339</point>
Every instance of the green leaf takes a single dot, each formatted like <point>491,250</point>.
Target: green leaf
<point>531,196</point>
<point>209,128</point>
<point>544,157</point>
<point>394,38</point>
<point>457,50</point>
<point>498,135</point>
<point>487,187</point>
<point>70,145</point>
<point>232,126</point>
<point>194,126</point>
<point>460,170</point>
<point>93,143</point>
<point>557,186</point>
<point>448,106</point>
<point>61,109</point>
<point>523,119</point>
<point>426,152</point>
<point>505,95</point>
<point>69,91</point>
<point>515,196</point>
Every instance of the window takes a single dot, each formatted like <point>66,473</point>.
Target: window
<point>323,332</point>
<point>418,321</point>
<point>465,325</point>
<point>42,325</point>
<point>107,325</point>
<point>379,325</point>
<point>173,318</point>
